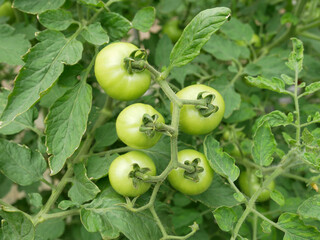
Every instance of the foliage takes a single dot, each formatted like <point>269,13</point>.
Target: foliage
<point>58,134</point>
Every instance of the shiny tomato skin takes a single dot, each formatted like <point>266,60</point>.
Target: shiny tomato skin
<point>128,123</point>
<point>191,121</point>
<point>114,78</point>
<point>188,186</point>
<point>249,184</point>
<point>121,167</point>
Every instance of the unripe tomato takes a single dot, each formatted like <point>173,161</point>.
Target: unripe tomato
<point>129,122</point>
<point>188,186</point>
<point>114,78</point>
<point>191,120</point>
<point>256,41</point>
<point>249,184</point>
<point>171,28</point>
<point>6,10</point>
<point>120,169</point>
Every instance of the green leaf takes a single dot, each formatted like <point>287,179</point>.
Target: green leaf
<point>224,49</point>
<point>180,73</point>
<point>144,19</point>
<point>98,167</point>
<point>313,87</point>
<point>106,135</point>
<point>231,98</point>
<point>196,34</point>
<point>65,204</point>
<point>221,162</point>
<point>91,2</point>
<point>236,30</point>
<point>266,226</point>
<point>116,25</point>
<point>264,145</point>
<point>51,229</point>
<point>217,195</point>
<point>59,19</point>
<point>82,189</point>
<point>35,199</point>
<point>295,229</point>
<point>72,109</point>
<point>20,164</point>
<point>168,6</point>
<point>16,225</point>
<point>105,215</point>
<point>252,69</point>
<point>37,6</point>
<point>272,66</point>
<point>287,79</point>
<point>312,157</point>
<point>277,197</point>
<point>13,45</point>
<point>23,121</point>
<point>295,59</point>
<point>310,208</point>
<point>5,185</point>
<point>245,112</point>
<point>273,84</point>
<point>95,34</point>
<point>44,64</point>
<point>225,218</point>
<point>163,49</point>
<point>275,119</point>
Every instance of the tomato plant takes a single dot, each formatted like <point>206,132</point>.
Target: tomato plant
<point>126,164</point>
<point>250,183</point>
<point>130,121</point>
<point>171,28</point>
<point>198,180</point>
<point>114,78</point>
<point>192,120</point>
<point>95,94</point>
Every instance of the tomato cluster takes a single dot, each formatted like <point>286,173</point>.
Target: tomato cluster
<point>140,126</point>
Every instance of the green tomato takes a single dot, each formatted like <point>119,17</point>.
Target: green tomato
<point>188,186</point>
<point>171,28</point>
<point>120,169</point>
<point>249,184</point>
<point>256,41</point>
<point>191,120</point>
<point>6,10</point>
<point>114,78</point>
<point>129,122</point>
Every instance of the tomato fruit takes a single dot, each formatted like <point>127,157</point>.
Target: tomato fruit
<point>119,173</point>
<point>171,28</point>
<point>114,78</point>
<point>249,184</point>
<point>128,126</point>
<point>191,120</point>
<point>185,185</point>
<point>6,10</point>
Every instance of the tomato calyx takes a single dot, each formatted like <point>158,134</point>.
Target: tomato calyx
<point>192,169</point>
<point>150,126</point>
<point>135,63</point>
<point>207,108</point>
<point>138,174</point>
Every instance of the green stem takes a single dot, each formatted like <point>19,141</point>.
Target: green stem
<point>296,103</point>
<point>250,205</point>
<point>296,177</point>
<point>255,223</point>
<point>158,221</point>
<point>268,220</point>
<point>62,214</point>
<point>53,197</point>
<point>313,24</point>
<point>112,151</point>
<point>309,35</point>
<point>46,182</point>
